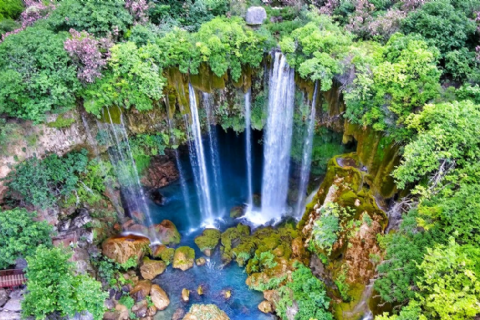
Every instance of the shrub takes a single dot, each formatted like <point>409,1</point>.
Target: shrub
<point>43,182</point>
<point>20,235</point>
<point>52,287</point>
<point>36,74</point>
<point>10,9</point>
<point>308,293</point>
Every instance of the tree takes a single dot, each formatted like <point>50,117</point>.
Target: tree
<point>52,287</point>
<point>133,78</point>
<point>446,144</point>
<point>449,284</point>
<point>20,235</point>
<point>36,73</point>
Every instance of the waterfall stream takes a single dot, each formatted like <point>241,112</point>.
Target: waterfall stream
<point>306,159</point>
<point>213,144</point>
<point>197,156</point>
<point>248,146</point>
<point>121,158</point>
<point>276,144</point>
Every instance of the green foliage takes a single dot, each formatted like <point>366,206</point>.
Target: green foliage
<point>144,146</point>
<point>10,9</point>
<point>94,16</point>
<point>177,48</point>
<point>133,78</point>
<point>327,228</point>
<point>20,235</point>
<point>402,79</point>
<point>53,287</point>
<point>442,24</point>
<point>43,182</point>
<point>449,286</point>
<point>447,136</point>
<point>188,14</point>
<point>128,302</point>
<point>109,271</point>
<point>316,50</point>
<point>326,144</point>
<point>61,122</point>
<point>227,44</point>
<point>7,25</point>
<point>410,312</point>
<point>262,261</point>
<point>308,293</point>
<point>404,252</point>
<point>36,73</point>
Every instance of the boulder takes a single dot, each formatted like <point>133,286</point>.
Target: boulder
<point>205,312</point>
<point>208,240</point>
<point>13,305</point>
<point>140,309</point>
<point>227,294</point>
<point>3,297</point>
<point>123,311</point>
<point>141,290</point>
<point>200,261</point>
<point>152,268</point>
<point>237,212</point>
<point>179,314</point>
<point>166,232</point>
<point>255,16</point>
<point>185,295</point>
<point>265,307</point>
<point>164,253</point>
<point>159,297</point>
<point>9,315</point>
<point>183,259</point>
<point>200,290</point>
<point>121,249</point>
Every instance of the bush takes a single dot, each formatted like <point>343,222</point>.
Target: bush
<point>52,287</point>
<point>20,235</point>
<point>94,16</point>
<point>308,293</point>
<point>36,74</point>
<point>133,78</point>
<point>44,182</point>
<point>10,9</point>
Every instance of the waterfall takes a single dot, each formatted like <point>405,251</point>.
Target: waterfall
<point>197,157</point>
<point>212,138</point>
<point>248,146</point>
<point>306,159</point>
<point>276,143</point>
<point>122,159</point>
<point>183,182</point>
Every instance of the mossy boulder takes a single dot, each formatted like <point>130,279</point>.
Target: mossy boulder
<point>164,253</point>
<point>184,258</point>
<point>231,238</point>
<point>166,232</point>
<point>208,240</point>
<point>152,268</point>
<point>205,312</point>
<point>121,249</point>
<point>237,212</point>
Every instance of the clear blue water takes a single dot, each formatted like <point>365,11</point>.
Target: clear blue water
<point>234,191</point>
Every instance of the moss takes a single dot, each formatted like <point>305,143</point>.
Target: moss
<point>167,255</point>
<point>61,122</point>
<point>345,310</point>
<point>112,114</point>
<point>206,80</point>
<point>208,240</point>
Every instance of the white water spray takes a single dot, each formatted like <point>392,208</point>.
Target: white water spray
<point>306,159</point>
<point>277,143</point>
<point>197,157</point>
<point>248,146</point>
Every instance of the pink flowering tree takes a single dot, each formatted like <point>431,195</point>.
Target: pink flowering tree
<point>89,54</point>
<point>138,9</point>
<point>35,10</point>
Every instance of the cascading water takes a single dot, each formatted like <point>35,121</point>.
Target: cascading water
<point>212,138</point>
<point>306,160</point>
<point>122,159</point>
<point>248,146</point>
<point>277,142</point>
<point>197,158</point>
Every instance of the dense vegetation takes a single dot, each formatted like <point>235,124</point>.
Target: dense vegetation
<point>409,69</point>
